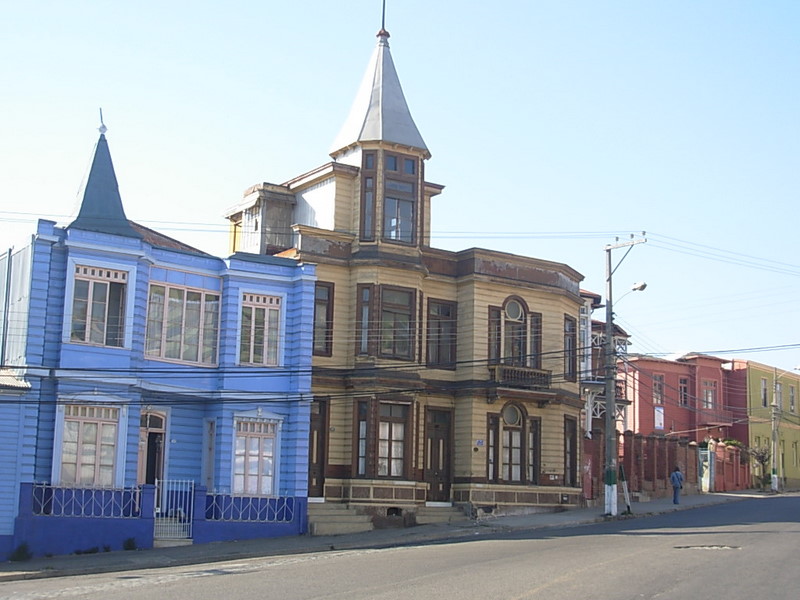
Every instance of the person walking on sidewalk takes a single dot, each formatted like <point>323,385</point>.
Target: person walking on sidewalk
<point>676,478</point>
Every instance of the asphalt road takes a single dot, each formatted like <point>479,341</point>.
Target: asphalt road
<point>740,550</point>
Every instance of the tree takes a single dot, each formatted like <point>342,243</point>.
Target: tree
<point>761,456</point>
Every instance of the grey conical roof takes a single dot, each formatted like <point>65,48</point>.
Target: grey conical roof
<point>101,208</point>
<point>380,112</point>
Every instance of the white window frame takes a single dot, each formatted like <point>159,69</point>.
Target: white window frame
<point>271,303</point>
<point>392,436</point>
<point>163,337</point>
<point>709,394</point>
<point>120,448</point>
<point>69,293</point>
<point>683,391</point>
<point>571,350</point>
<point>658,388</point>
<point>272,426</point>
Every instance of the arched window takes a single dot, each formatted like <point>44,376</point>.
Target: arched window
<point>515,334</point>
<point>513,446</point>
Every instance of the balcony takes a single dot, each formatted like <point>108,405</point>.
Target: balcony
<point>520,377</point>
<point>715,416</point>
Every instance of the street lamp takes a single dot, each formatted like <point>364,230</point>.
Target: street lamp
<point>775,418</point>
<point>610,363</point>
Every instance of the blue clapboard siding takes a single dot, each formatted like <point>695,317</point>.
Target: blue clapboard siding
<point>10,468</point>
<point>190,395</point>
<point>184,443</point>
<point>295,442</point>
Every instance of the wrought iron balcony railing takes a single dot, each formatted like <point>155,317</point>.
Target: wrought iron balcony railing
<point>520,377</point>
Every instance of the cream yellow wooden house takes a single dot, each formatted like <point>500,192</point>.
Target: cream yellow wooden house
<point>438,376</point>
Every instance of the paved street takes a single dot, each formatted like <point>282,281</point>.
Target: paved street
<point>736,549</point>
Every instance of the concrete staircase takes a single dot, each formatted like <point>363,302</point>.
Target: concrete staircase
<point>335,519</point>
<point>440,514</point>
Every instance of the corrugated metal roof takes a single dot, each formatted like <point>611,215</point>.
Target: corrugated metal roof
<point>159,240</point>
<point>380,111</point>
<point>8,379</point>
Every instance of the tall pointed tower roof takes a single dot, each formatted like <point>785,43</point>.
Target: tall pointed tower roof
<point>101,208</point>
<point>380,112</point>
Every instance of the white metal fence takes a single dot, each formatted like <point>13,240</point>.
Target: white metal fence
<point>225,507</point>
<point>87,501</point>
<point>174,509</point>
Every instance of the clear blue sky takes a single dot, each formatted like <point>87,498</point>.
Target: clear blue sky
<point>555,127</point>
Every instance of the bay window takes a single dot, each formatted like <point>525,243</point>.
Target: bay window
<point>515,335</point>
<point>441,334</point>
<point>182,324</point>
<point>396,327</point>
<point>98,306</point>
<point>323,319</point>
<point>368,179</point>
<point>570,348</point>
<point>381,450</point>
<point>260,330</point>
<point>399,198</point>
<point>709,393</point>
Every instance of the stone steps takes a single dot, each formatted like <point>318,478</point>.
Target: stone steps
<point>336,519</point>
<point>440,514</point>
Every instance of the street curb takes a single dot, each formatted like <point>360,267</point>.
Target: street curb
<point>334,544</point>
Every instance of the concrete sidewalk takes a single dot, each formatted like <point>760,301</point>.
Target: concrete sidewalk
<point>60,566</point>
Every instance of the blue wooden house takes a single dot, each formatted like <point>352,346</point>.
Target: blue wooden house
<point>149,392</point>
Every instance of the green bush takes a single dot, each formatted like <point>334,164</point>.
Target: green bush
<point>129,544</point>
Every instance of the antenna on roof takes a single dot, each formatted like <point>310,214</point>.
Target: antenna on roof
<point>102,129</point>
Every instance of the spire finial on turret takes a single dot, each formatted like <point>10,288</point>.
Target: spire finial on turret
<point>383,33</point>
<point>102,129</point>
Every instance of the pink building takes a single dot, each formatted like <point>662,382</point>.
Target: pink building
<point>687,397</point>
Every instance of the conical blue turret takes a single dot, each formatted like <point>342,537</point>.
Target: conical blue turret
<point>101,208</point>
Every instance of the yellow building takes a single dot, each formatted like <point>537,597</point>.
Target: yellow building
<point>771,397</point>
<point>438,376</point>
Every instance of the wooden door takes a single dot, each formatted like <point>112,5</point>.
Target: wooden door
<point>438,459</point>
<point>317,446</point>
<point>570,452</point>
<point>151,447</point>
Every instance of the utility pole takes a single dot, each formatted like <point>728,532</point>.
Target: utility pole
<point>610,363</point>
<point>775,420</point>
